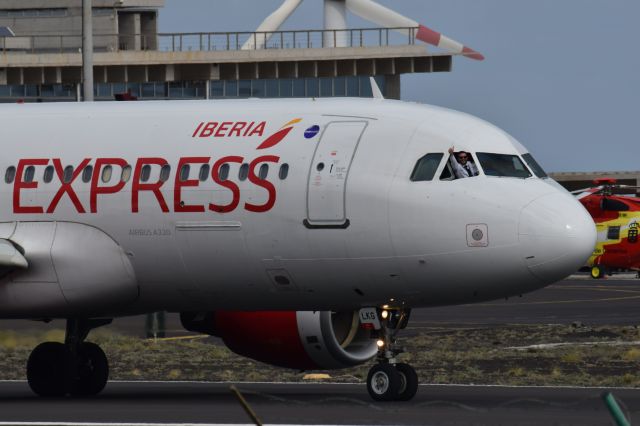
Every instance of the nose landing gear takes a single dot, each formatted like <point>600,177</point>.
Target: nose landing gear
<point>389,380</point>
<point>74,367</point>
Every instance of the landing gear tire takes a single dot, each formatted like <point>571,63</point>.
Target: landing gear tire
<point>408,382</point>
<point>597,272</point>
<point>92,370</point>
<point>383,382</point>
<point>46,370</point>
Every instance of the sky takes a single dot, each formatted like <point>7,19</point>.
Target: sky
<point>561,76</point>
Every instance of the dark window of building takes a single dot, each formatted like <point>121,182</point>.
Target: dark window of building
<point>286,88</point>
<point>244,172</point>
<point>353,86</point>
<point>273,89</point>
<point>299,88</point>
<point>313,87</point>
<point>425,168</point>
<point>231,89</point>
<point>10,175</point>
<point>48,174</point>
<point>326,87</point>
<point>340,86</point>
<point>217,89</point>
<point>258,89</point>
<point>244,88</point>
<point>284,171</point>
<point>613,233</point>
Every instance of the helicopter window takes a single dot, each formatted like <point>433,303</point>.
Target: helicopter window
<point>613,233</point>
<point>503,165</point>
<point>533,165</point>
<point>609,204</point>
<point>426,167</point>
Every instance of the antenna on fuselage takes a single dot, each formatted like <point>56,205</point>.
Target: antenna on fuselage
<point>375,89</point>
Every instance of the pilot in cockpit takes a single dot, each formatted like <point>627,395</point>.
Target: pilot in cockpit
<point>462,167</point>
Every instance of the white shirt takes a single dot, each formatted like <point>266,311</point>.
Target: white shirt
<point>461,171</point>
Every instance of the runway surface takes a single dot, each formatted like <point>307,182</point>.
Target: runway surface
<point>316,404</point>
<point>610,301</point>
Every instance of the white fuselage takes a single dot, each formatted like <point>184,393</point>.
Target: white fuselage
<point>345,228</point>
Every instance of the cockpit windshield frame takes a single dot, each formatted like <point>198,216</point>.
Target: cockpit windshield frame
<point>503,165</point>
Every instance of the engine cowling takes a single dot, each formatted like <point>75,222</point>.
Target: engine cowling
<point>305,340</point>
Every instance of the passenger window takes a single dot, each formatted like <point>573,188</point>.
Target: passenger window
<point>244,172</point>
<point>67,175</point>
<point>87,173</point>
<point>503,165</point>
<point>126,173</point>
<point>284,171</point>
<point>165,172</point>
<point>263,172</point>
<point>106,173</point>
<point>613,233</point>
<point>10,175</point>
<point>425,168</point>
<point>184,172</point>
<point>145,173</point>
<point>29,174</point>
<point>204,172</point>
<point>223,173</point>
<point>533,165</point>
<point>48,174</point>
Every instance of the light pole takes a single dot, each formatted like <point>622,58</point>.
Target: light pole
<point>87,50</point>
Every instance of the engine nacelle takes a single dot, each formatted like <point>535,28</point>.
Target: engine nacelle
<point>303,340</point>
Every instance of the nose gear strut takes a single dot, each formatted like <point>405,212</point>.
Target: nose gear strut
<point>389,380</point>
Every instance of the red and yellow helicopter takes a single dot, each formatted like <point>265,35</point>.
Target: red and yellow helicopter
<point>617,219</point>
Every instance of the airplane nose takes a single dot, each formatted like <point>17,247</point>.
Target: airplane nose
<point>557,235</point>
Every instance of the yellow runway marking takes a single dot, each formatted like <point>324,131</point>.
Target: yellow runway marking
<point>168,339</point>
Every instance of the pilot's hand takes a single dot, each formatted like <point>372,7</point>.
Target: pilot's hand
<point>451,150</point>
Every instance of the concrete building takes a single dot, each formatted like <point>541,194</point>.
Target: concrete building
<point>43,61</point>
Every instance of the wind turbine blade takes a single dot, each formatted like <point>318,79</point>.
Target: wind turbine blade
<point>272,23</point>
<point>374,12</point>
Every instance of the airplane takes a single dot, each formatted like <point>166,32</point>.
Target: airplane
<point>617,220</point>
<point>301,231</point>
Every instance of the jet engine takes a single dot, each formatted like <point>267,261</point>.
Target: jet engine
<point>306,340</point>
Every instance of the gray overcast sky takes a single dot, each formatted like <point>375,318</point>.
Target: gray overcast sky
<point>562,76</point>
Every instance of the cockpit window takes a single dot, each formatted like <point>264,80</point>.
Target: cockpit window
<point>426,167</point>
<point>503,165</point>
<point>533,165</point>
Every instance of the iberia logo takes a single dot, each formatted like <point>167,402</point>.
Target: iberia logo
<point>278,136</point>
<point>246,129</point>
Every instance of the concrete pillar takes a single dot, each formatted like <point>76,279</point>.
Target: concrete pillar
<point>335,18</point>
<point>87,49</point>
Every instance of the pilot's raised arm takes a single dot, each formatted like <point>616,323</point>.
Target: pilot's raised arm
<point>462,167</point>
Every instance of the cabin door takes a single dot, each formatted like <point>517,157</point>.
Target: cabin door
<point>327,185</point>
